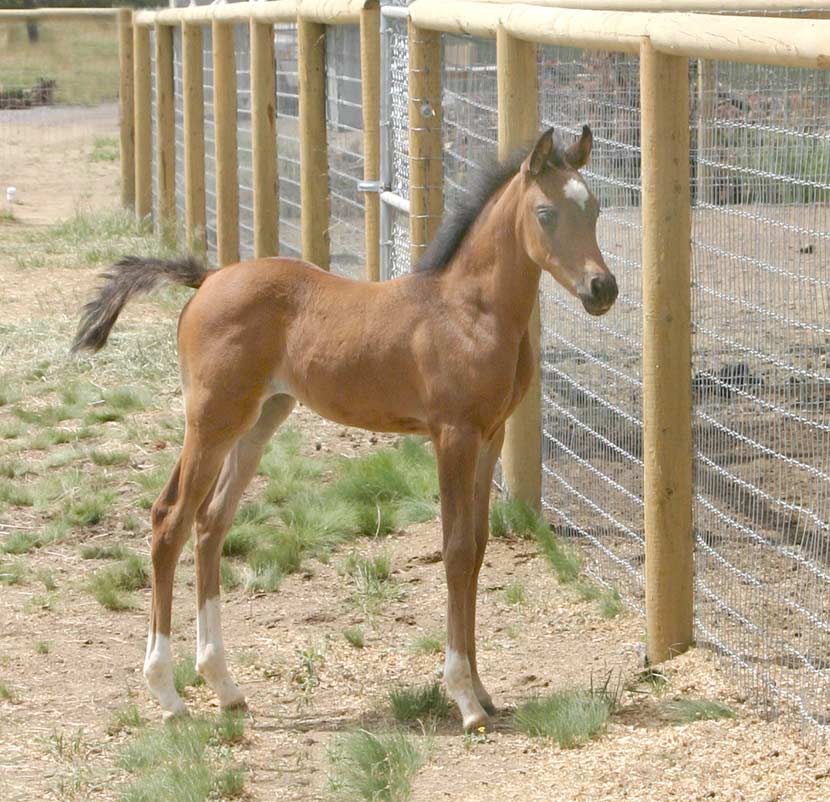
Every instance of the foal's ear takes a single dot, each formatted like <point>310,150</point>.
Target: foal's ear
<point>540,156</point>
<point>577,155</point>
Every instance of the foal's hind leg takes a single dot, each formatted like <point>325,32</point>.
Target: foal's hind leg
<point>212,524</point>
<point>172,516</point>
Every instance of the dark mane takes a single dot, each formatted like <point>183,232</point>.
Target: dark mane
<point>484,184</point>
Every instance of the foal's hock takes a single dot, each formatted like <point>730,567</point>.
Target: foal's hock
<point>442,351</point>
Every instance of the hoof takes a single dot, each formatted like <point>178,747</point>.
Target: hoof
<point>239,705</point>
<point>477,723</point>
<point>172,716</point>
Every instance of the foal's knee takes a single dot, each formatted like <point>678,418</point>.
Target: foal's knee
<point>459,556</point>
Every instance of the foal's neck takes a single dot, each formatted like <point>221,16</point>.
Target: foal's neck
<point>491,268</point>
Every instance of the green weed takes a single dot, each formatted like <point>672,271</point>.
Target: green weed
<point>12,573</point>
<point>111,586</point>
<point>685,711</point>
<point>19,543</point>
<point>372,578</point>
<point>96,551</point>
<point>355,636</point>
<point>430,643</point>
<point>569,717</point>
<point>106,458</point>
<point>513,516</point>
<point>514,593</point>
<point>374,767</point>
<point>185,675</point>
<point>421,704</point>
<point>104,149</point>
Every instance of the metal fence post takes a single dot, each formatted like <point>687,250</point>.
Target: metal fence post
<point>667,393</point>
<point>224,114</point>
<point>426,157</point>
<point>143,122</point>
<point>518,112</point>
<point>314,160</point>
<point>126,107</point>
<point>165,133</point>
<point>193,113</point>
<point>370,88</point>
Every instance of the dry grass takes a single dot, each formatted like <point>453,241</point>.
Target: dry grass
<point>81,56</point>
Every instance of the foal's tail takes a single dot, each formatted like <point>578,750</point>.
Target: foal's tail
<point>131,276</point>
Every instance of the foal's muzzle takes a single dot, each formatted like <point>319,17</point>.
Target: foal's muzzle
<point>602,296</point>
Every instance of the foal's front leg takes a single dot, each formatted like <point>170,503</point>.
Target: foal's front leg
<point>457,454</point>
<point>484,481</point>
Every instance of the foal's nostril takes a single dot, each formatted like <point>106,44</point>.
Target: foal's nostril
<point>604,289</point>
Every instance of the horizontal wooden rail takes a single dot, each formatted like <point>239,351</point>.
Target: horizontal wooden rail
<point>326,12</point>
<point>8,15</point>
<point>801,8</point>
<point>754,40</point>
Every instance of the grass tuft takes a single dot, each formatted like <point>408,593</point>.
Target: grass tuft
<point>430,643</point>
<point>374,767</point>
<point>94,551</point>
<point>111,586</point>
<point>513,516</point>
<point>427,703</point>
<point>355,636</point>
<point>19,543</point>
<point>185,761</point>
<point>185,675</point>
<point>685,711</point>
<point>12,573</point>
<point>6,693</point>
<point>372,579</point>
<point>107,458</point>
<point>104,149</point>
<point>569,717</point>
<point>514,593</point>
<point>126,718</point>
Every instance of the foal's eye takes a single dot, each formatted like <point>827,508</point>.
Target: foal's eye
<point>547,216</point>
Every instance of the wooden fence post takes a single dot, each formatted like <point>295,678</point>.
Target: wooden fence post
<point>165,133</point>
<point>667,392</point>
<point>370,88</point>
<point>193,113</point>
<point>518,116</point>
<point>426,153</point>
<point>264,140</point>
<point>143,123</point>
<point>224,116</point>
<point>314,158</point>
<point>126,107</point>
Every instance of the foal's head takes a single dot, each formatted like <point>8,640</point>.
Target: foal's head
<point>558,218</point>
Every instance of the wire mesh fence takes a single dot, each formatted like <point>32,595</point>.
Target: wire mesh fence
<point>592,485</point>
<point>288,138</point>
<point>344,117</point>
<point>761,243</point>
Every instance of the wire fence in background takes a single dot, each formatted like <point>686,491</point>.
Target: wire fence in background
<point>178,112</point>
<point>52,118</point>
<point>592,484</point>
<point>344,119</point>
<point>761,361</point>
<point>288,138</point>
<point>210,142</point>
<point>244,152</point>
<point>395,247</point>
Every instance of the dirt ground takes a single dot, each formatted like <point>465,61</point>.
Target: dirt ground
<point>93,666</point>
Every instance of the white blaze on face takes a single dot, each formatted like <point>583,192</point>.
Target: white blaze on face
<point>158,671</point>
<point>576,191</point>
<point>210,654</point>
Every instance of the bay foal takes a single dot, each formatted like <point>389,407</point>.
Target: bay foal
<point>443,351</point>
